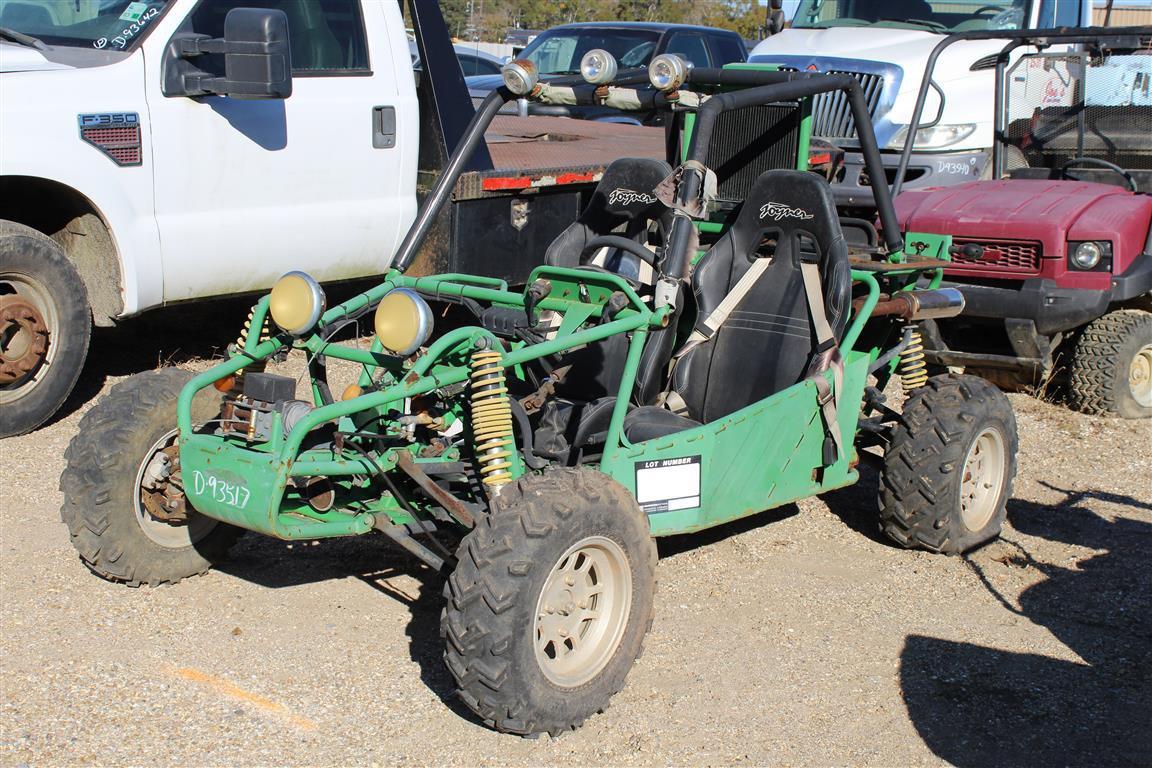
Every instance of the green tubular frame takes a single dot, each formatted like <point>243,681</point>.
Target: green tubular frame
<point>263,471</point>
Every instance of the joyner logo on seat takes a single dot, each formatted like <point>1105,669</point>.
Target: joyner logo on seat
<point>629,196</point>
<point>778,211</point>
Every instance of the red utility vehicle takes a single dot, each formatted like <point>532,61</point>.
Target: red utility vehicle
<point>1058,273</point>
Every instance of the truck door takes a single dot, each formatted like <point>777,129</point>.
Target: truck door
<point>323,181</point>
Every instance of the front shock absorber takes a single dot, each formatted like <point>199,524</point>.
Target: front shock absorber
<point>265,330</point>
<point>913,367</point>
<point>491,418</point>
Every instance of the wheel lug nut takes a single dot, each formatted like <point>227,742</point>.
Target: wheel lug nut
<point>569,580</point>
<point>562,632</point>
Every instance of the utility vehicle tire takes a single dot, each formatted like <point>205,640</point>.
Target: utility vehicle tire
<point>111,527</point>
<point>1111,370</point>
<point>948,471</point>
<point>549,605</point>
<point>45,326</point>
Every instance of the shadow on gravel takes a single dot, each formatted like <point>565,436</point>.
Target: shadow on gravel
<point>374,561</point>
<point>670,546</point>
<point>856,505</point>
<point>977,706</point>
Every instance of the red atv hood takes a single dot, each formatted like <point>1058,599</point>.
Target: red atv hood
<point>1011,209</point>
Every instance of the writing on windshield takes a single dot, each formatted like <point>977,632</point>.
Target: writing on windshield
<point>114,25</point>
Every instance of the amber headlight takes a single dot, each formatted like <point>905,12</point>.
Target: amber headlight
<point>403,321</point>
<point>296,303</point>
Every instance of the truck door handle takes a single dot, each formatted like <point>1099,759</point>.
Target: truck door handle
<point>383,127</point>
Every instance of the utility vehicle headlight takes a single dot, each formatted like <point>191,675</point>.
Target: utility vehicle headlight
<point>667,72</point>
<point>1087,255</point>
<point>598,67</point>
<point>936,137</point>
<point>296,303</point>
<point>403,321</point>
<point>520,76</point>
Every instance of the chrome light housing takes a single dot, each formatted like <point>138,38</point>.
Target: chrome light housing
<point>1087,255</point>
<point>520,76</point>
<point>598,67</point>
<point>403,321</point>
<point>668,72</point>
<point>296,303</point>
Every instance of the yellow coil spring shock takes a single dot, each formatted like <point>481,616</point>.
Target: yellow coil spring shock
<point>913,367</point>
<point>491,418</point>
<point>265,330</point>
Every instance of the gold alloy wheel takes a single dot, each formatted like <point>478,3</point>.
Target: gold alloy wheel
<point>1140,377</point>
<point>983,479</point>
<point>582,611</point>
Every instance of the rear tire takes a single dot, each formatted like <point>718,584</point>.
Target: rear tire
<point>111,527</point>
<point>948,471</point>
<point>1111,371</point>
<point>45,327</point>
<point>549,605</point>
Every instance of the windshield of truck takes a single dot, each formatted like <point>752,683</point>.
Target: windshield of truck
<point>944,17</point>
<point>114,25</point>
<point>559,51</point>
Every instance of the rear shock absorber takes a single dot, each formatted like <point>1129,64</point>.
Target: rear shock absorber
<point>491,419</point>
<point>913,367</point>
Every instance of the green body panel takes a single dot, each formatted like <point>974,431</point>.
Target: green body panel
<point>744,466</point>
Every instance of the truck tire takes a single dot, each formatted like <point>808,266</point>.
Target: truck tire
<point>949,468</point>
<point>1111,371</point>
<point>45,325</point>
<point>106,506</point>
<point>549,605</point>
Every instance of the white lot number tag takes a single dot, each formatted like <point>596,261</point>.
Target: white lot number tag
<point>668,484</point>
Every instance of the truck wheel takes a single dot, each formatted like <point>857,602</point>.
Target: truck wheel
<point>1112,366</point>
<point>547,610</point>
<point>123,500</point>
<point>45,325</point>
<point>949,468</point>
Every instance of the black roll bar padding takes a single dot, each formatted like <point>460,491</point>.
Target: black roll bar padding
<point>457,164</point>
<point>1118,37</point>
<point>795,85</point>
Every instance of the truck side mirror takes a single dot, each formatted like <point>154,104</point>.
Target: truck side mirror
<point>775,18</point>
<point>257,59</point>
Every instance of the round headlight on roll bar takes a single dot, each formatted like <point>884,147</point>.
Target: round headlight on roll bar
<point>520,76</point>
<point>598,67</point>
<point>296,303</point>
<point>668,72</point>
<point>403,321</point>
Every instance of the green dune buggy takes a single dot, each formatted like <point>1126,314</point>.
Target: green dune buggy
<point>672,365</point>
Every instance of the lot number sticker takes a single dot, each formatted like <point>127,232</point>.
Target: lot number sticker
<point>668,484</point>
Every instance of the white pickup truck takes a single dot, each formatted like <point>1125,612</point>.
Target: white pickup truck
<point>165,150</point>
<point>886,45</point>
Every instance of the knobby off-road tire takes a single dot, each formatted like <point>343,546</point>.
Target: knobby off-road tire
<point>549,605</point>
<point>948,471</point>
<point>1111,371</point>
<point>115,535</point>
<point>42,302</point>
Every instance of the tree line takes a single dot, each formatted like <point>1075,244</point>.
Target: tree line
<point>490,19</point>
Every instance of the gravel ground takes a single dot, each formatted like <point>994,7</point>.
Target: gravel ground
<point>796,637</point>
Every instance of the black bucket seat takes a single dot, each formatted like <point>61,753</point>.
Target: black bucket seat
<point>768,342</point>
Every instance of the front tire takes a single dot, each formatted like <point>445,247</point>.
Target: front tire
<point>1112,366</point>
<point>549,605</point>
<point>114,514</point>
<point>45,327</point>
<point>949,468</point>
